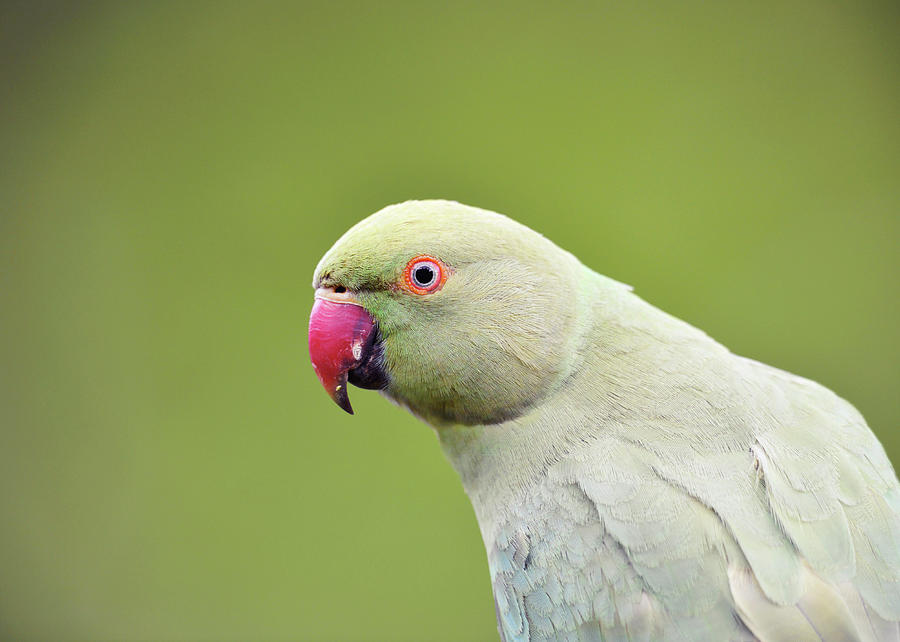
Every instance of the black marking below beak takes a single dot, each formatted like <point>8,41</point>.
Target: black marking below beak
<point>371,373</point>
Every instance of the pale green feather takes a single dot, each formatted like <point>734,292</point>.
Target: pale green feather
<point>631,477</point>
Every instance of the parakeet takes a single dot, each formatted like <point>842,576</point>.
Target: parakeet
<point>632,478</point>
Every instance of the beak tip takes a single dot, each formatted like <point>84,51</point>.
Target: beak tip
<point>341,398</point>
<point>345,406</point>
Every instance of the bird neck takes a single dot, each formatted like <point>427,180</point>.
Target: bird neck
<point>500,462</point>
<point>630,376</point>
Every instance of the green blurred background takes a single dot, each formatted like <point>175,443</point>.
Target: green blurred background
<point>171,173</point>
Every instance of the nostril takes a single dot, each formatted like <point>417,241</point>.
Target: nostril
<point>340,289</point>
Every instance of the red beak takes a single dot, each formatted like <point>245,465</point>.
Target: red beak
<point>338,334</point>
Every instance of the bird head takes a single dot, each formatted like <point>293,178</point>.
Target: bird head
<point>457,313</point>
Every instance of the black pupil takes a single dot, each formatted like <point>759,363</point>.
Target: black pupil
<point>424,275</point>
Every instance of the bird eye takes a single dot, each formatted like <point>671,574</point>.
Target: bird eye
<point>424,275</point>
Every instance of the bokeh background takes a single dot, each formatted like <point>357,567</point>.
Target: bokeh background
<point>170,173</point>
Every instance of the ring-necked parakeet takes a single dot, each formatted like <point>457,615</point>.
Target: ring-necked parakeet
<point>632,478</point>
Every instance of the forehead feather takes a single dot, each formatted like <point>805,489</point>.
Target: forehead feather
<point>375,250</point>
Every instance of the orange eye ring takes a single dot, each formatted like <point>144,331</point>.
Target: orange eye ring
<point>424,274</point>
